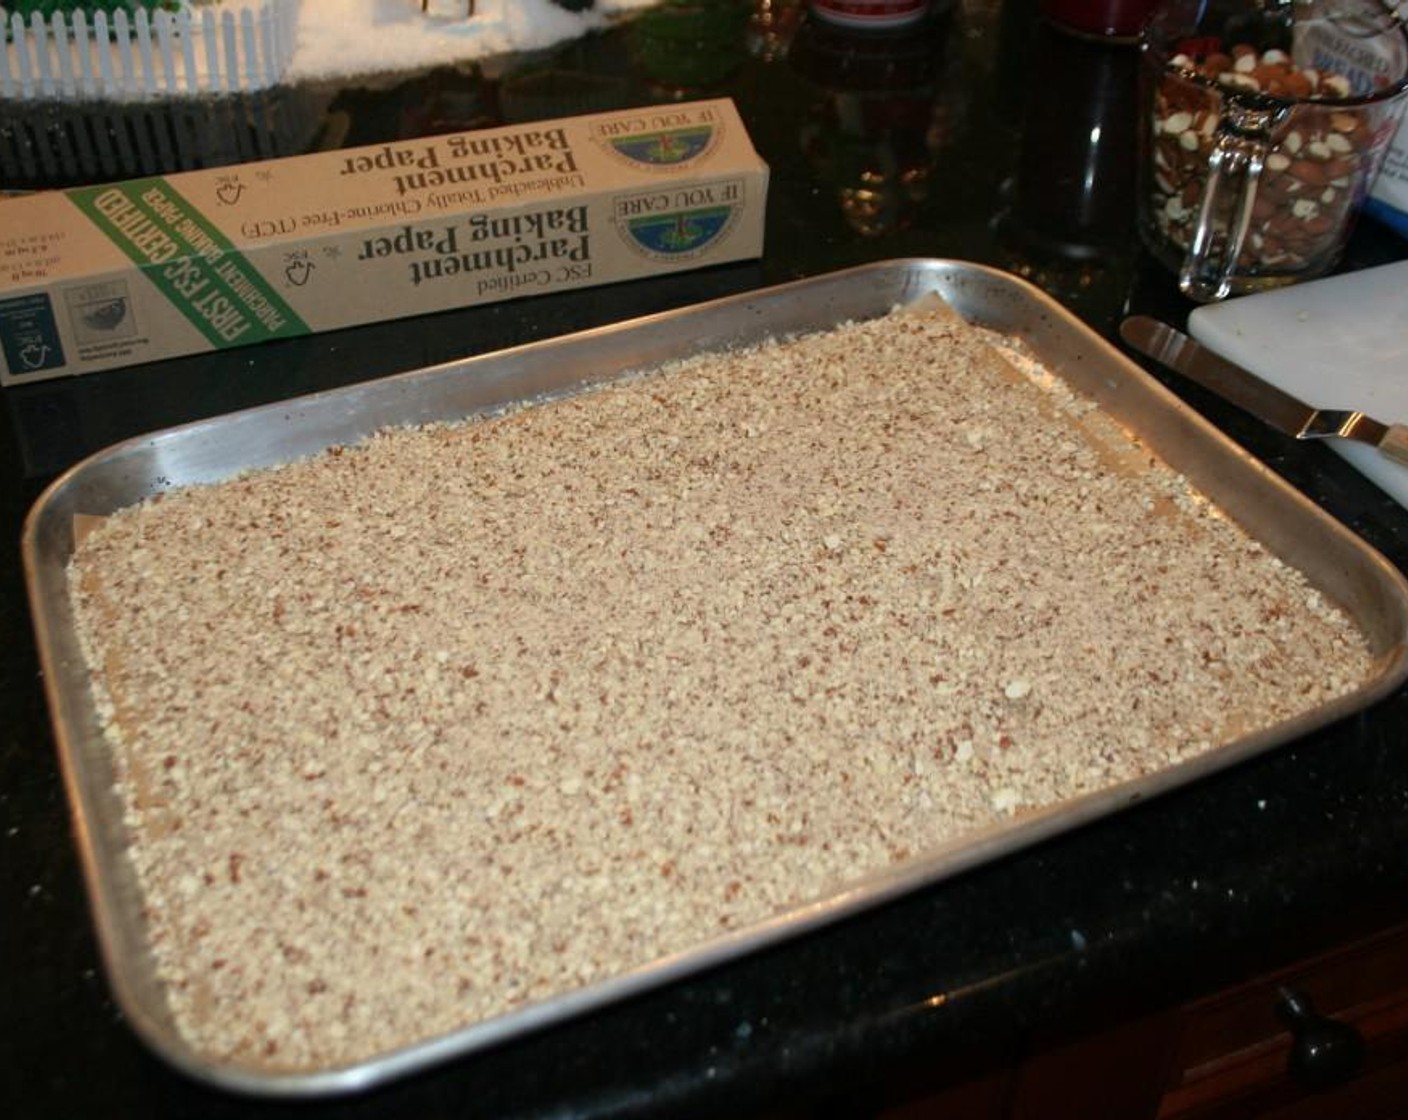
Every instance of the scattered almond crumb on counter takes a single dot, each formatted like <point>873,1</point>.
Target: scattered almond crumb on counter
<point>418,731</point>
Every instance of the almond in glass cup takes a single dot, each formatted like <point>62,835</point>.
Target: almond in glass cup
<point>1263,125</point>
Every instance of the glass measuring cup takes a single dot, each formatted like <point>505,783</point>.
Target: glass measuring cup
<point>1263,125</point>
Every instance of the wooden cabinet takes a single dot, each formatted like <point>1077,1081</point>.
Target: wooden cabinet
<point>1231,1050</point>
<point>1224,1057</point>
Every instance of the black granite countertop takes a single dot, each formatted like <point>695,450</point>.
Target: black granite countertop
<point>980,127</point>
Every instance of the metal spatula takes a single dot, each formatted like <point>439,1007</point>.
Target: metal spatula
<point>1243,388</point>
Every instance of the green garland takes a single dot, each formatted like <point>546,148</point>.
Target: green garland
<point>47,8</point>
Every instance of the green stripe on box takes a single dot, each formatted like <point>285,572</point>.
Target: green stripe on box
<point>190,261</point>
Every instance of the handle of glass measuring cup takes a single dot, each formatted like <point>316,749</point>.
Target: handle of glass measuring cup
<point>1224,214</point>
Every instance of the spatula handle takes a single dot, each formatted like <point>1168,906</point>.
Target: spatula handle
<point>1395,443</point>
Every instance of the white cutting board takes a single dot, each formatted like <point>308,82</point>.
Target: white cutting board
<point>1335,343</point>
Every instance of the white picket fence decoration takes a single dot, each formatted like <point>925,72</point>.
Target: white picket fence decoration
<point>83,57</point>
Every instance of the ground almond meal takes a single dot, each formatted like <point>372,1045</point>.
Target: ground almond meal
<point>419,730</point>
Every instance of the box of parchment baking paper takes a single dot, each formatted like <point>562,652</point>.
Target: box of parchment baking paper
<point>98,277</point>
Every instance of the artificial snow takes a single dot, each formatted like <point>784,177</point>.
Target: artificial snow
<point>345,37</point>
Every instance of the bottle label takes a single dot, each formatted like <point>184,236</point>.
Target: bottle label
<point>871,13</point>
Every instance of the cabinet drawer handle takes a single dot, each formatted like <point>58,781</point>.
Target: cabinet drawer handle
<point>1324,1052</point>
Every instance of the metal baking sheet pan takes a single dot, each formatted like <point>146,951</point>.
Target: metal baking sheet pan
<point>1334,559</point>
